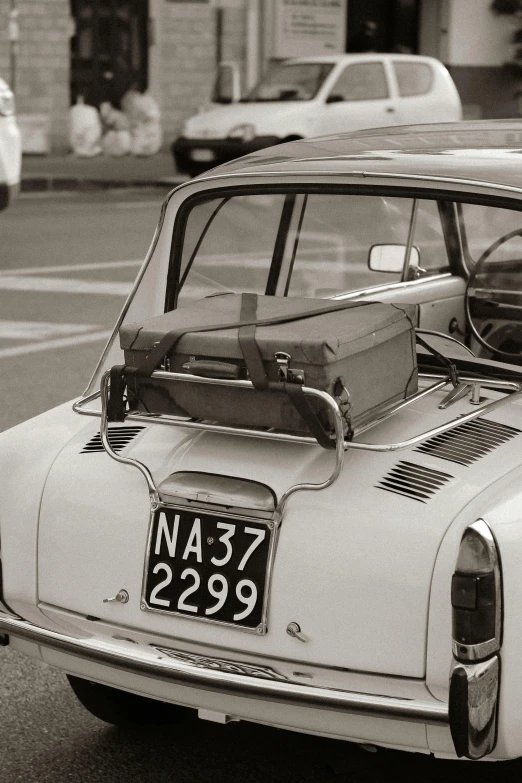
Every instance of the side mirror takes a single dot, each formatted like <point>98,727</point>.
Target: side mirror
<point>390,258</point>
<point>335,98</point>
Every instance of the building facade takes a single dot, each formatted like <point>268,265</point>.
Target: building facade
<point>53,51</point>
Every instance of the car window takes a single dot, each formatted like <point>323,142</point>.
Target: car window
<point>337,233</point>
<point>413,78</point>
<point>361,82</point>
<point>290,82</point>
<point>303,244</point>
<point>228,245</point>
<point>429,239</point>
<point>482,225</point>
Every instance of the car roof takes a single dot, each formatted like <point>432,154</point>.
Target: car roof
<point>488,151</point>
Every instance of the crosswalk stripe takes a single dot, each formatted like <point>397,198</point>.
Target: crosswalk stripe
<point>34,270</point>
<point>63,285</point>
<point>40,330</point>
<point>53,345</point>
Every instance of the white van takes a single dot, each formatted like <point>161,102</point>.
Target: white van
<point>315,96</point>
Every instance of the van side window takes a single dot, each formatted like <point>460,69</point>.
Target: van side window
<point>413,78</point>
<point>361,82</point>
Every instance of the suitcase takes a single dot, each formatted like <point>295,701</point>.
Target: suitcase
<point>364,348</point>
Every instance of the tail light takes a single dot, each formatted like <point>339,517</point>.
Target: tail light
<point>476,596</point>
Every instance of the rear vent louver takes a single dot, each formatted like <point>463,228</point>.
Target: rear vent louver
<point>119,437</point>
<point>414,481</point>
<point>468,442</point>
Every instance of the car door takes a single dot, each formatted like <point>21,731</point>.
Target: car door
<point>419,98</point>
<point>359,98</point>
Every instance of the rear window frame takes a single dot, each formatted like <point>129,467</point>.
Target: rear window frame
<point>444,196</point>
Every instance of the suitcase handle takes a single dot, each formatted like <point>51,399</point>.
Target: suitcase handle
<point>212,369</point>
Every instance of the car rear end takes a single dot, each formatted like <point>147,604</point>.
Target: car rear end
<point>10,148</point>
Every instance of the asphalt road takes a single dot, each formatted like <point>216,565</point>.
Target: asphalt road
<point>66,264</point>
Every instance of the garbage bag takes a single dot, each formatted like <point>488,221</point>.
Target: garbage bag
<point>145,122</point>
<point>146,138</point>
<point>113,119</point>
<point>117,143</point>
<point>85,130</point>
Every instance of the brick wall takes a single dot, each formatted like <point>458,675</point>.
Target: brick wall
<point>4,43</point>
<point>188,57</point>
<point>42,65</point>
<point>185,52</point>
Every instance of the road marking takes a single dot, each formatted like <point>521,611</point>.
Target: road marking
<point>40,330</point>
<point>35,270</point>
<point>136,204</point>
<point>53,345</point>
<point>64,285</point>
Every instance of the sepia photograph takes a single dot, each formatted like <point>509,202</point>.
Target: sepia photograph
<point>260,391</point>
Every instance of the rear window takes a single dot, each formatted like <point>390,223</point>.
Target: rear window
<point>302,244</point>
<point>413,78</point>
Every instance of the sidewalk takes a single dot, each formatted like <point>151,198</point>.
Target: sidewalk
<point>53,172</point>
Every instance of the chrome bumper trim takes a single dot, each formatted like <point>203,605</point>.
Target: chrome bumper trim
<point>148,662</point>
<point>473,707</point>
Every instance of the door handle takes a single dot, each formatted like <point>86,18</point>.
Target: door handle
<point>390,109</point>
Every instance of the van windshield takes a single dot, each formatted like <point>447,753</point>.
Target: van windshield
<point>290,82</point>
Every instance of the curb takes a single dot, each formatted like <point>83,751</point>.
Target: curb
<point>50,183</point>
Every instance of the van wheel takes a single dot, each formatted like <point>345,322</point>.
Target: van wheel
<point>123,709</point>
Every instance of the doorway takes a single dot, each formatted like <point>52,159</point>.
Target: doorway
<point>109,51</point>
<point>383,26</point>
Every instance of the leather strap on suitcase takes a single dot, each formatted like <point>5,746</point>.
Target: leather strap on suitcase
<point>258,377</point>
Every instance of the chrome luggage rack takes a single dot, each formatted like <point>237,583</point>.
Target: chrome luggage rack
<point>341,444</point>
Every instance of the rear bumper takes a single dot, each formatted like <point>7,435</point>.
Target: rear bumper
<point>204,675</point>
<point>217,150</point>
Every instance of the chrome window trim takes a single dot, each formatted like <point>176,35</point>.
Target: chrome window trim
<point>398,286</point>
<point>144,660</point>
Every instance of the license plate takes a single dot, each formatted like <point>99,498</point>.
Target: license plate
<point>208,566</point>
<point>202,155</point>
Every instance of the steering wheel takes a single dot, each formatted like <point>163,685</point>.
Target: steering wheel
<point>515,311</point>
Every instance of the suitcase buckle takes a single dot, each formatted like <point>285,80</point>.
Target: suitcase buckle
<point>284,372</point>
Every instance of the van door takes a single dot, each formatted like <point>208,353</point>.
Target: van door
<point>420,99</point>
<point>359,98</point>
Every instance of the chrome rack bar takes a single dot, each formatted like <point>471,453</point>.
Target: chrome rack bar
<point>104,434</point>
<point>186,377</point>
<point>340,443</point>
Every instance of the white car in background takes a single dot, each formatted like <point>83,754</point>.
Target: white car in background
<point>314,96</point>
<point>10,148</point>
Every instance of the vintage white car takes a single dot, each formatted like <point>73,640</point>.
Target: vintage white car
<point>370,591</point>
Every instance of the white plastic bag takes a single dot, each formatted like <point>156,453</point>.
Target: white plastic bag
<point>85,130</point>
<point>116,143</point>
<point>113,119</point>
<point>146,139</point>
<point>145,122</point>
